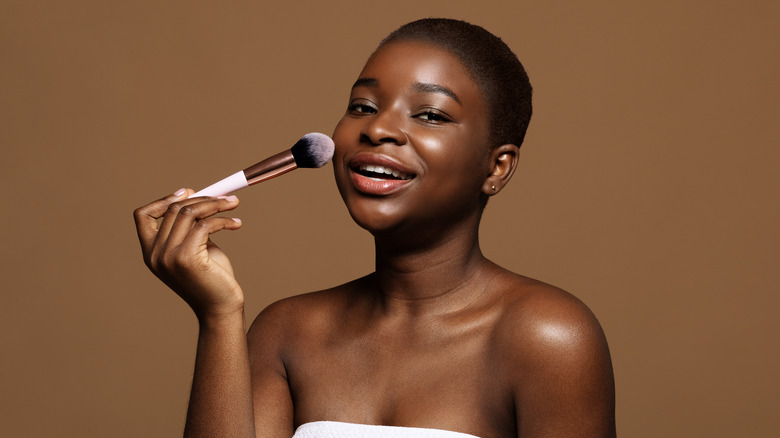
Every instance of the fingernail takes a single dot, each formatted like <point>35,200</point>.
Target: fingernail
<point>231,198</point>
<point>180,192</point>
<point>236,220</point>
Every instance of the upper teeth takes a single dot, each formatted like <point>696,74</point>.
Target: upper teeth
<point>385,170</point>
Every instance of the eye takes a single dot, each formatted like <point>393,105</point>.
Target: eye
<point>361,107</point>
<point>432,116</point>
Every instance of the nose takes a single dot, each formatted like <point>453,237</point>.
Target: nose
<point>384,127</point>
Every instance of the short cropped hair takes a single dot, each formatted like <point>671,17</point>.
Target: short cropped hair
<point>494,67</point>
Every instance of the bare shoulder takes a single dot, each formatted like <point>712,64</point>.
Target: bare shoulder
<point>555,357</point>
<point>545,319</point>
<point>300,317</point>
<point>282,330</point>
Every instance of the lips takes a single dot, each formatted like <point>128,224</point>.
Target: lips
<point>382,172</point>
<point>376,174</point>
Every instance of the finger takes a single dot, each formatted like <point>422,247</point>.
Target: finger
<point>146,217</point>
<point>198,239</point>
<point>190,214</point>
<point>172,213</point>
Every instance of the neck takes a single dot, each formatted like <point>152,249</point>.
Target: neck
<point>434,277</point>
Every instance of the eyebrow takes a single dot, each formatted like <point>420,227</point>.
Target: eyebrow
<point>421,87</point>
<point>366,82</point>
<point>418,87</point>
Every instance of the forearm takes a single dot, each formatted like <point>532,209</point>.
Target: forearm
<point>221,398</point>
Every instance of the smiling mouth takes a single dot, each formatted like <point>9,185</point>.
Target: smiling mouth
<point>379,173</point>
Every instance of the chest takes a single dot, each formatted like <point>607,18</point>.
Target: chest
<point>434,378</point>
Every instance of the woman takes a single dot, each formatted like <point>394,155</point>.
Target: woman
<point>438,340</point>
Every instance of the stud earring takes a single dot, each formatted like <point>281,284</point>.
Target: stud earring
<point>493,187</point>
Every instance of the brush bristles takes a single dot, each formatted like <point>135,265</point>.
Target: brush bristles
<point>313,150</point>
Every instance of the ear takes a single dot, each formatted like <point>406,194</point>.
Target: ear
<point>503,162</point>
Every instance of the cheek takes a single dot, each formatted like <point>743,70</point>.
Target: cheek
<point>456,162</point>
<point>340,132</point>
<point>343,136</point>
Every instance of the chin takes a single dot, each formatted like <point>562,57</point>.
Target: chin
<point>374,220</point>
<point>375,215</point>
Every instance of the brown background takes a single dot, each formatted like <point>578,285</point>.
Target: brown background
<point>648,187</point>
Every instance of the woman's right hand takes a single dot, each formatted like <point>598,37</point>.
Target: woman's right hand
<point>174,234</point>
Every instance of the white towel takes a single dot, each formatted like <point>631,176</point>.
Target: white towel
<point>335,429</point>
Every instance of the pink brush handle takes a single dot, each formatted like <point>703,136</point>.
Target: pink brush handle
<point>228,185</point>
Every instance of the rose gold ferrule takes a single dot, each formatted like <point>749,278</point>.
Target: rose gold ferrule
<point>271,167</point>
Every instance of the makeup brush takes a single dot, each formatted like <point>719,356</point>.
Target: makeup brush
<point>312,150</point>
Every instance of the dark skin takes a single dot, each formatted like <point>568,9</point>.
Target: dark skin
<point>438,336</point>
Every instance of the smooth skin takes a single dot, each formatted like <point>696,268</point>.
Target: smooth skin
<point>438,336</point>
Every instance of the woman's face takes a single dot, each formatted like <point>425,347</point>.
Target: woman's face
<point>412,148</point>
